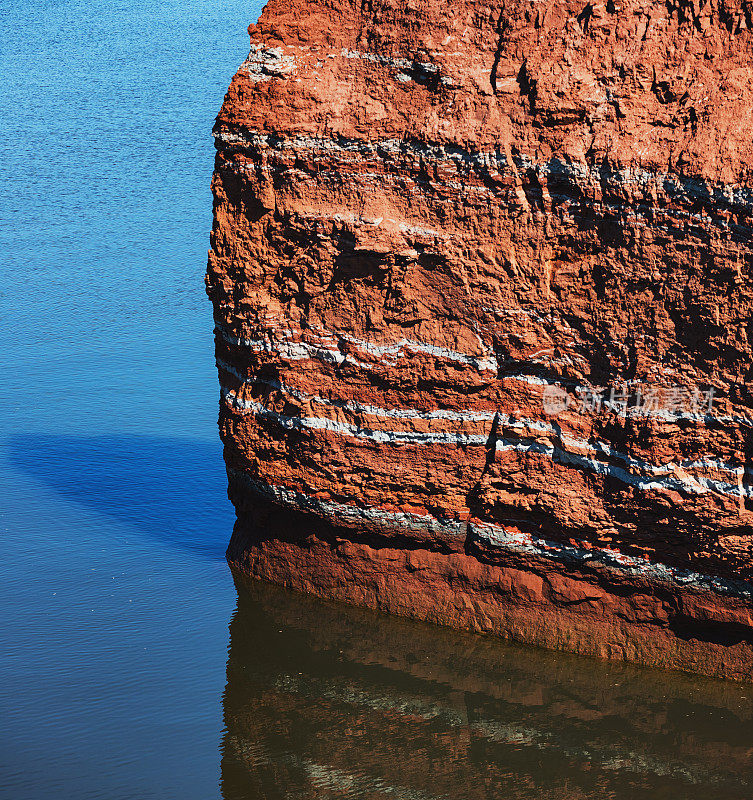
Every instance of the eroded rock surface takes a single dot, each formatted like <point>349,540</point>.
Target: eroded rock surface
<point>481,279</point>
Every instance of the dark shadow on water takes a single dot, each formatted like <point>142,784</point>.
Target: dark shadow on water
<point>326,701</point>
<point>172,489</point>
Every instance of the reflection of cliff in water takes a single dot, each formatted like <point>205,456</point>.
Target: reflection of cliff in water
<point>327,701</point>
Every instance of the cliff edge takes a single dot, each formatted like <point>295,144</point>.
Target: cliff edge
<point>481,278</point>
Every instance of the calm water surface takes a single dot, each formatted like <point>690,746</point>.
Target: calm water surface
<point>130,666</point>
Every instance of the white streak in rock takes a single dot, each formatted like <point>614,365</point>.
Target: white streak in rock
<point>671,480</point>
<point>494,536</point>
<point>363,408</point>
<point>297,350</point>
<point>690,190</point>
<point>398,63</point>
<point>264,63</point>
<point>349,429</point>
<point>482,363</point>
<point>346,513</point>
<point>284,343</point>
<point>291,350</point>
<point>516,541</point>
<point>358,219</point>
<point>669,477</point>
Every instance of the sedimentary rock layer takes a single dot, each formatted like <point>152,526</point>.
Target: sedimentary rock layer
<point>481,282</point>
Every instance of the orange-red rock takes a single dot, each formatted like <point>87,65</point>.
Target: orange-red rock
<point>481,278</point>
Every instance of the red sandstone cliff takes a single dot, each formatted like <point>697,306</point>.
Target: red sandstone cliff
<point>481,279</point>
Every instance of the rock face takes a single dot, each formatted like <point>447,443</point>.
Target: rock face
<point>481,276</point>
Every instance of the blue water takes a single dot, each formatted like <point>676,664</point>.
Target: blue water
<point>115,595</point>
<point>130,666</point>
